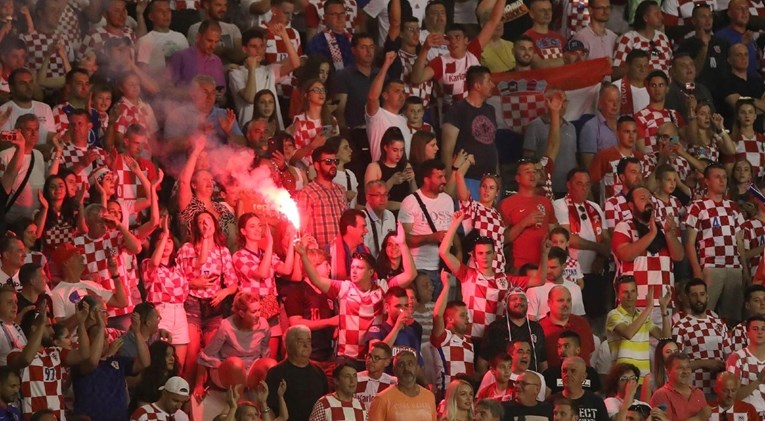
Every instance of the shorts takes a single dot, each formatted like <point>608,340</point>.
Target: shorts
<point>201,314</point>
<point>174,320</point>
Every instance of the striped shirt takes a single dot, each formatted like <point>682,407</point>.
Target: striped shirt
<point>633,351</point>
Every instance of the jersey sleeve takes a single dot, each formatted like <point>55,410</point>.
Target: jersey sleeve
<point>437,65</point>
<point>622,49</point>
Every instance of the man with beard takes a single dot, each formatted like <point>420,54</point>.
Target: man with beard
<point>754,304</point>
<point>322,202</point>
<point>747,364</point>
<point>568,346</point>
<point>629,172</point>
<point>678,396</point>
<point>714,244</point>
<point>523,52</point>
<point>407,400</point>
<point>590,406</point>
<point>702,335</point>
<point>514,326</point>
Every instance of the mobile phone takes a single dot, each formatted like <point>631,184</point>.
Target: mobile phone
<point>690,87</point>
<point>7,135</point>
<point>327,129</point>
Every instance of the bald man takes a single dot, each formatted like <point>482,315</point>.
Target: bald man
<point>590,406</point>
<point>726,387</point>
<point>558,320</point>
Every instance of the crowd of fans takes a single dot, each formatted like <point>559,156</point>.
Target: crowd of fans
<point>318,210</point>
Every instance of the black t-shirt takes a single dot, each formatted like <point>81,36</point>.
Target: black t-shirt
<point>478,127</point>
<point>302,300</point>
<point>591,406</point>
<point>514,411</point>
<point>715,63</point>
<point>497,339</point>
<point>554,380</point>
<point>305,385</point>
<point>753,87</point>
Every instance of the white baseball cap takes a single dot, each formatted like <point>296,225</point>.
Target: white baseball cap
<point>176,385</point>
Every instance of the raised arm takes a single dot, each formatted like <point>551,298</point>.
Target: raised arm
<point>439,325</point>
<point>421,72</point>
<point>184,178</point>
<point>496,17</point>
<point>373,97</point>
<point>320,282</point>
<point>554,106</point>
<point>293,59</point>
<point>444,249</point>
<point>406,277</point>
<point>394,19</point>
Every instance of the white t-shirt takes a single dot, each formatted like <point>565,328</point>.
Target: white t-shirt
<point>27,202</point>
<point>584,257</point>
<point>229,34</point>
<point>11,337</point>
<point>348,180</point>
<point>379,9</point>
<point>436,50</point>
<point>153,48</point>
<point>41,110</point>
<point>489,379</point>
<point>640,98</point>
<point>378,124</point>
<point>440,209</point>
<point>66,295</point>
<point>265,78</point>
<point>537,297</point>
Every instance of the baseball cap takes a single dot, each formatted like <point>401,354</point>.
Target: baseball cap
<point>98,174</point>
<point>574,45</point>
<point>176,385</point>
<point>64,252</point>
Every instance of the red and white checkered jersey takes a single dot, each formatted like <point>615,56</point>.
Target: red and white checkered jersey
<point>140,113</point>
<point>670,209</point>
<point>450,72</point>
<point>246,264</point>
<point>711,151</point>
<point>753,150</point>
<point>127,183</point>
<point>457,355</point>
<point>423,90</point>
<point>276,51</point>
<point>351,13</point>
<point>753,231</point>
<point>648,122</point>
<point>680,164</point>
<point>358,311</point>
<point>716,224</point>
<point>38,45</point>
<point>330,408</point>
<point>69,25</point>
<point>58,234</point>
<point>485,297</point>
<point>96,254</point>
<point>603,171</point>
<point>577,15</point>
<point>164,284</point>
<point>150,412</point>
<point>747,368</point>
<point>218,264</point>
<point>737,337</point>
<point>659,49</point>
<point>96,38</point>
<point>572,270</point>
<point>305,129</point>
<point>489,223</point>
<point>367,388</point>
<point>61,118</point>
<point>617,210</point>
<point>702,338</point>
<point>41,381</point>
<point>647,268</point>
<point>678,12</point>
<point>72,155</point>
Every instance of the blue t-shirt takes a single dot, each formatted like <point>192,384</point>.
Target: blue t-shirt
<point>408,337</point>
<point>102,393</point>
<point>11,413</point>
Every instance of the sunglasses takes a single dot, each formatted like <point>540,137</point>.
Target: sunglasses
<point>365,257</point>
<point>583,214</point>
<point>330,161</point>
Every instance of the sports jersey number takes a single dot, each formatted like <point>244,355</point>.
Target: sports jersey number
<point>315,314</point>
<point>49,374</point>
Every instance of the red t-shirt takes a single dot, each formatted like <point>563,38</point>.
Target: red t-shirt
<point>552,332</point>
<point>527,247</point>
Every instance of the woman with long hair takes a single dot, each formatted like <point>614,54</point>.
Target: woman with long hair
<point>316,67</point>
<point>711,140</point>
<point>315,124</point>
<point>424,147</point>
<point>265,108</point>
<point>60,216</point>
<point>206,263</point>
<point>658,375</point>
<point>164,364</point>
<point>25,229</point>
<point>389,261</point>
<point>256,265</point>
<point>345,177</point>
<point>621,385</point>
<point>393,169</point>
<point>750,144</point>
<point>458,402</point>
<point>742,175</point>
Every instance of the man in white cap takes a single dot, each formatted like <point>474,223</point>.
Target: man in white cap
<point>175,393</point>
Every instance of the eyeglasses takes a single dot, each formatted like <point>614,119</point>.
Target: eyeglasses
<point>330,161</point>
<point>583,214</point>
<point>318,90</point>
<point>627,378</point>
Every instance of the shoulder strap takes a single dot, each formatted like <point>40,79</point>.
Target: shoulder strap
<point>425,211</point>
<point>374,232</point>
<point>23,184</point>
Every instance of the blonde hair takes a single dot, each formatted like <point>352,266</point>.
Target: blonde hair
<point>450,411</point>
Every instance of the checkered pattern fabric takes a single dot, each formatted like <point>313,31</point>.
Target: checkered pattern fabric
<point>485,298</point>
<point>218,264</point>
<point>127,183</point>
<point>571,270</point>
<point>186,4</point>
<point>330,408</point>
<point>323,207</point>
<point>711,151</point>
<point>423,90</point>
<point>246,264</point>
<point>753,150</point>
<point>648,122</point>
<point>737,337</point>
<point>367,388</point>
<point>358,311</point>
<point>150,412</point>
<point>648,268</point>
<point>61,119</point>
<point>57,235</point>
<point>617,210</point>
<point>666,210</point>
<point>548,166</point>
<point>578,15</point>
<point>306,128</point>
<point>38,45</point>
<point>753,231</point>
<point>276,51</point>
<point>69,25</point>
<point>41,381</point>
<point>682,9</point>
<point>716,225</point>
<point>702,338</point>
<point>351,13</point>
<point>659,49</point>
<point>747,367</point>
<point>489,223</point>
<point>164,284</point>
<point>72,155</point>
<point>140,114</point>
<point>680,164</point>
<point>457,355</point>
<point>519,108</point>
<point>452,73</point>
<point>96,38</point>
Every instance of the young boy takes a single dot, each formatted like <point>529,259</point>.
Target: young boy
<point>501,390</point>
<point>102,101</point>
<point>414,111</point>
<point>665,204</point>
<point>560,237</point>
<point>160,43</point>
